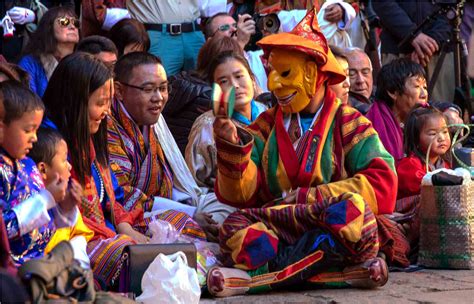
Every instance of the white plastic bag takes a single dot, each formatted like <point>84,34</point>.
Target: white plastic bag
<point>169,279</point>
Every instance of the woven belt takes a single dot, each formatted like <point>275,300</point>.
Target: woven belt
<point>174,28</point>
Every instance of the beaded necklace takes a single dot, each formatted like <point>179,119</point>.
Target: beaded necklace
<point>102,192</point>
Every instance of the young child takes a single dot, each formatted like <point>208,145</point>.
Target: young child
<point>50,155</point>
<point>425,125</point>
<point>29,210</point>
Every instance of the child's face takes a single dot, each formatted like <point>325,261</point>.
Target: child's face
<point>20,134</point>
<point>59,165</point>
<point>435,130</point>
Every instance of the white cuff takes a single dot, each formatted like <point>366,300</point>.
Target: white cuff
<point>114,15</point>
<point>162,204</point>
<point>79,246</point>
<point>33,212</point>
<point>65,219</point>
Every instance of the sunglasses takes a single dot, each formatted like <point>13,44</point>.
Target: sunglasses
<point>65,21</point>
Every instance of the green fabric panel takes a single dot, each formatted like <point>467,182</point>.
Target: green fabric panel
<point>257,151</point>
<point>360,156</point>
<point>326,158</point>
<point>273,158</point>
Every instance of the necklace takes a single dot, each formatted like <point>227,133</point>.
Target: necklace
<point>102,192</point>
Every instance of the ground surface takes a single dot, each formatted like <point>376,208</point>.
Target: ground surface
<point>424,286</point>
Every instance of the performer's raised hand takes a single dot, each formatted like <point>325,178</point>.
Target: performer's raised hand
<point>224,128</point>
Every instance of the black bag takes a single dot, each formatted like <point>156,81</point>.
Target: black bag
<point>139,257</point>
<point>57,277</point>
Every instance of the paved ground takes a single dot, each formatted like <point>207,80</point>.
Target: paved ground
<point>425,286</point>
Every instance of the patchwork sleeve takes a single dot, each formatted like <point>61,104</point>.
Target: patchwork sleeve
<point>238,177</point>
<point>370,167</point>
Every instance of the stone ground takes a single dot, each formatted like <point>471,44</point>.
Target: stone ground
<point>423,286</point>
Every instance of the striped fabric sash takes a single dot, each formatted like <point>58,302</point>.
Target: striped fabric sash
<point>300,164</point>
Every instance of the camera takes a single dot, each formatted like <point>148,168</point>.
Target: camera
<point>267,23</point>
<point>264,24</point>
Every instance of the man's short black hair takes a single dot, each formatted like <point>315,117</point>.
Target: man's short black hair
<point>96,44</point>
<point>126,63</point>
<point>44,149</point>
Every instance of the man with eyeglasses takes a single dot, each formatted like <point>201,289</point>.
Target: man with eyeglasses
<point>360,77</point>
<point>143,154</point>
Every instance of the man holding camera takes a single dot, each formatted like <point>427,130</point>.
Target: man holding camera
<point>400,19</point>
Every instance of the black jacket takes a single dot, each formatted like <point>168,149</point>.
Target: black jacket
<point>190,97</point>
<point>400,18</point>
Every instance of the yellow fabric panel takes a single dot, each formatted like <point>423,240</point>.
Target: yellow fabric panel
<point>235,242</point>
<point>238,189</point>
<point>356,184</point>
<point>67,233</point>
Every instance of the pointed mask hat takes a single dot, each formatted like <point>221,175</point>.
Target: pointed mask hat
<point>307,38</point>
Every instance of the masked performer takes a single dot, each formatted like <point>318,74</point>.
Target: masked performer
<point>309,177</point>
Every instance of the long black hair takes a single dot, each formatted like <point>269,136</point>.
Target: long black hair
<point>67,97</point>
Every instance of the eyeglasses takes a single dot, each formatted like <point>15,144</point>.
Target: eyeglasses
<point>225,27</point>
<point>149,89</point>
<point>65,21</point>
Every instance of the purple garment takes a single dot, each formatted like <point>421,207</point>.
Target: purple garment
<point>390,132</point>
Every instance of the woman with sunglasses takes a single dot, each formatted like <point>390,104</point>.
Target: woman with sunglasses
<point>55,38</point>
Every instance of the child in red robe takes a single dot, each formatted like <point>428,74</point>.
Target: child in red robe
<point>424,126</point>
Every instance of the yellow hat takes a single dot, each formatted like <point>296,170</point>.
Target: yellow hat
<point>307,38</point>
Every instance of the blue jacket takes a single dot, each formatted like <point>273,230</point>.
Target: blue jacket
<point>38,81</point>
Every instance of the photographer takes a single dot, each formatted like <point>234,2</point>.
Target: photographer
<point>400,19</point>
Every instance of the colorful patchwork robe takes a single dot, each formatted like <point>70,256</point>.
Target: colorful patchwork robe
<point>342,178</point>
<point>143,172</point>
<point>139,165</point>
<point>31,218</point>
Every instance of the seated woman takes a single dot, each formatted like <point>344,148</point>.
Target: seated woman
<point>191,93</point>
<point>401,85</point>
<point>228,69</point>
<point>309,177</point>
<point>78,111</point>
<point>56,36</point>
